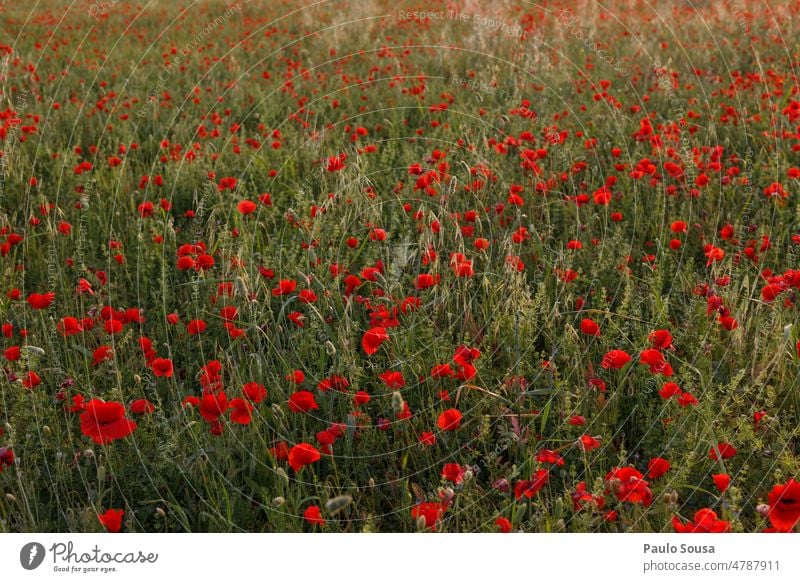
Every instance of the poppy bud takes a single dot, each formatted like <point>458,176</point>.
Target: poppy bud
<point>762,509</point>
<point>160,513</point>
<point>502,485</point>
<point>330,348</point>
<point>276,410</point>
<point>558,511</point>
<point>11,498</point>
<point>88,453</point>
<point>421,524</point>
<point>282,474</point>
<point>337,504</point>
<point>371,483</point>
<point>241,288</point>
<point>46,430</point>
<point>467,475</point>
<point>137,378</point>
<point>447,494</point>
<point>101,473</point>
<point>397,402</point>
<point>278,501</point>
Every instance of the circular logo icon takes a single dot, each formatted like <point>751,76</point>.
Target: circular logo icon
<point>31,555</point>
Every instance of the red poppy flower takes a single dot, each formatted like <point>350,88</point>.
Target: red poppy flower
<point>303,454</point>
<point>705,521</point>
<point>430,512</point>
<point>627,484</point>
<point>424,281</point>
<point>142,406</point>
<point>655,359</point>
<point>69,326</point>
<point>726,451</point>
<point>104,422</point>
<point>285,286</point>
<point>280,451</point>
<point>784,505</point>
<point>246,207</point>
<point>162,367</point>
<point>334,382</point>
<point>581,496</point>
<point>313,515</point>
<point>657,467</point>
<point>550,457</point>
<point>6,458</point>
<point>442,371</point>
<point>503,524</point>
<point>31,380</point>
<point>112,520</point>
<point>530,488</point>
<point>453,472</point>
<point>615,359</point>
<point>721,481</point>
<point>254,392</point>
<point>296,377</point>
<point>393,380</point>
<point>336,163</point>
<point>196,326</point>
<point>450,419</point>
<point>226,184</point>
<point>372,339</point>
<point>302,401</point>
<point>427,438</point>
<point>241,411</point>
<point>661,339</point>
<point>669,389</point>
<point>212,406</point>
<point>589,443</point>
<point>41,300</point>
<point>590,327</point>
<point>102,354</point>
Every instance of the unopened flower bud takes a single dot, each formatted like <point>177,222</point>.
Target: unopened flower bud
<point>282,474</point>
<point>502,485</point>
<point>337,504</point>
<point>397,402</point>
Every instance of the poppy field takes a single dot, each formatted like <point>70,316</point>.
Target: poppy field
<point>370,266</point>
